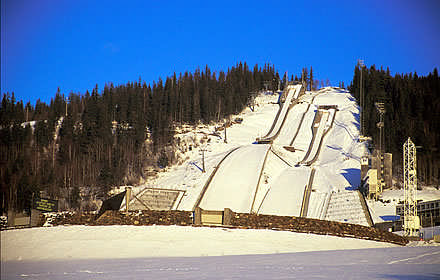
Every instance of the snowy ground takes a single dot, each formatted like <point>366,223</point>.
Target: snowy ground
<point>391,263</point>
<point>380,210</point>
<point>95,242</point>
<point>143,252</point>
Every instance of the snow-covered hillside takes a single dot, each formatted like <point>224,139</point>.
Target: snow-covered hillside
<point>318,131</point>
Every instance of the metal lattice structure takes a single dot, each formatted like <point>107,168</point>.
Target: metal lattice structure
<point>411,220</point>
<point>380,106</point>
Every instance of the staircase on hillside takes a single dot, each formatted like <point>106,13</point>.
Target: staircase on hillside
<point>347,207</point>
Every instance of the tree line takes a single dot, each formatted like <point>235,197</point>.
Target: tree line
<point>412,105</point>
<point>97,140</point>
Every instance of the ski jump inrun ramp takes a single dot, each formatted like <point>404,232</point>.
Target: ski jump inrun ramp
<point>293,93</point>
<point>277,175</point>
<point>234,182</point>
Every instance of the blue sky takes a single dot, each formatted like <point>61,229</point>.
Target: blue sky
<point>74,45</point>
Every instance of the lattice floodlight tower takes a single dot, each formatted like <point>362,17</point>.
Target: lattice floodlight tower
<point>380,106</point>
<point>411,221</point>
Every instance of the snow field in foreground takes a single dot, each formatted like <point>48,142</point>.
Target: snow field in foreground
<point>117,242</point>
<point>365,264</point>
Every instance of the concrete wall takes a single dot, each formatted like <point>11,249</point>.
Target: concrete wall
<point>155,199</point>
<point>372,183</point>
<point>208,217</point>
<point>20,220</point>
<point>365,166</point>
<point>375,164</point>
<point>35,217</point>
<point>388,172</point>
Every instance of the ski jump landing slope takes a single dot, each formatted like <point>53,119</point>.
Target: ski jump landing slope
<point>288,187</point>
<point>236,179</point>
<point>332,153</point>
<point>266,178</point>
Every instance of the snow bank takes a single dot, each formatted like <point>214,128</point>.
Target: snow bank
<point>379,263</point>
<point>116,242</point>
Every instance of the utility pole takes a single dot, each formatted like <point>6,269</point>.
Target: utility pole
<point>361,98</point>
<point>266,84</point>
<point>302,77</point>
<point>203,150</point>
<point>226,124</point>
<point>144,102</point>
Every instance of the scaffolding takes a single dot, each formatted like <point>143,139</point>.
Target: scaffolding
<point>411,222</point>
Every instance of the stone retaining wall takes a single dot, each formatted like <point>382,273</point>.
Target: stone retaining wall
<point>112,217</point>
<point>233,220</point>
<point>315,226</point>
<point>146,217</point>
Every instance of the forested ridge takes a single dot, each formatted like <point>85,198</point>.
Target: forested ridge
<point>412,106</point>
<point>102,139</point>
<point>111,137</point>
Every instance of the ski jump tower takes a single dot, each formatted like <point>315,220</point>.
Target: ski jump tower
<point>411,221</point>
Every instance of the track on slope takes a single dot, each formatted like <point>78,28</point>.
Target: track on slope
<point>319,130</point>
<point>226,167</point>
<point>293,93</point>
<point>302,120</point>
<point>306,197</point>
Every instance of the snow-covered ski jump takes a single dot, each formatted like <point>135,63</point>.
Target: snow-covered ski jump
<point>295,169</point>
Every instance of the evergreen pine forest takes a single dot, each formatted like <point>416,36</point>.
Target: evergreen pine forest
<point>412,105</point>
<point>110,138</point>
